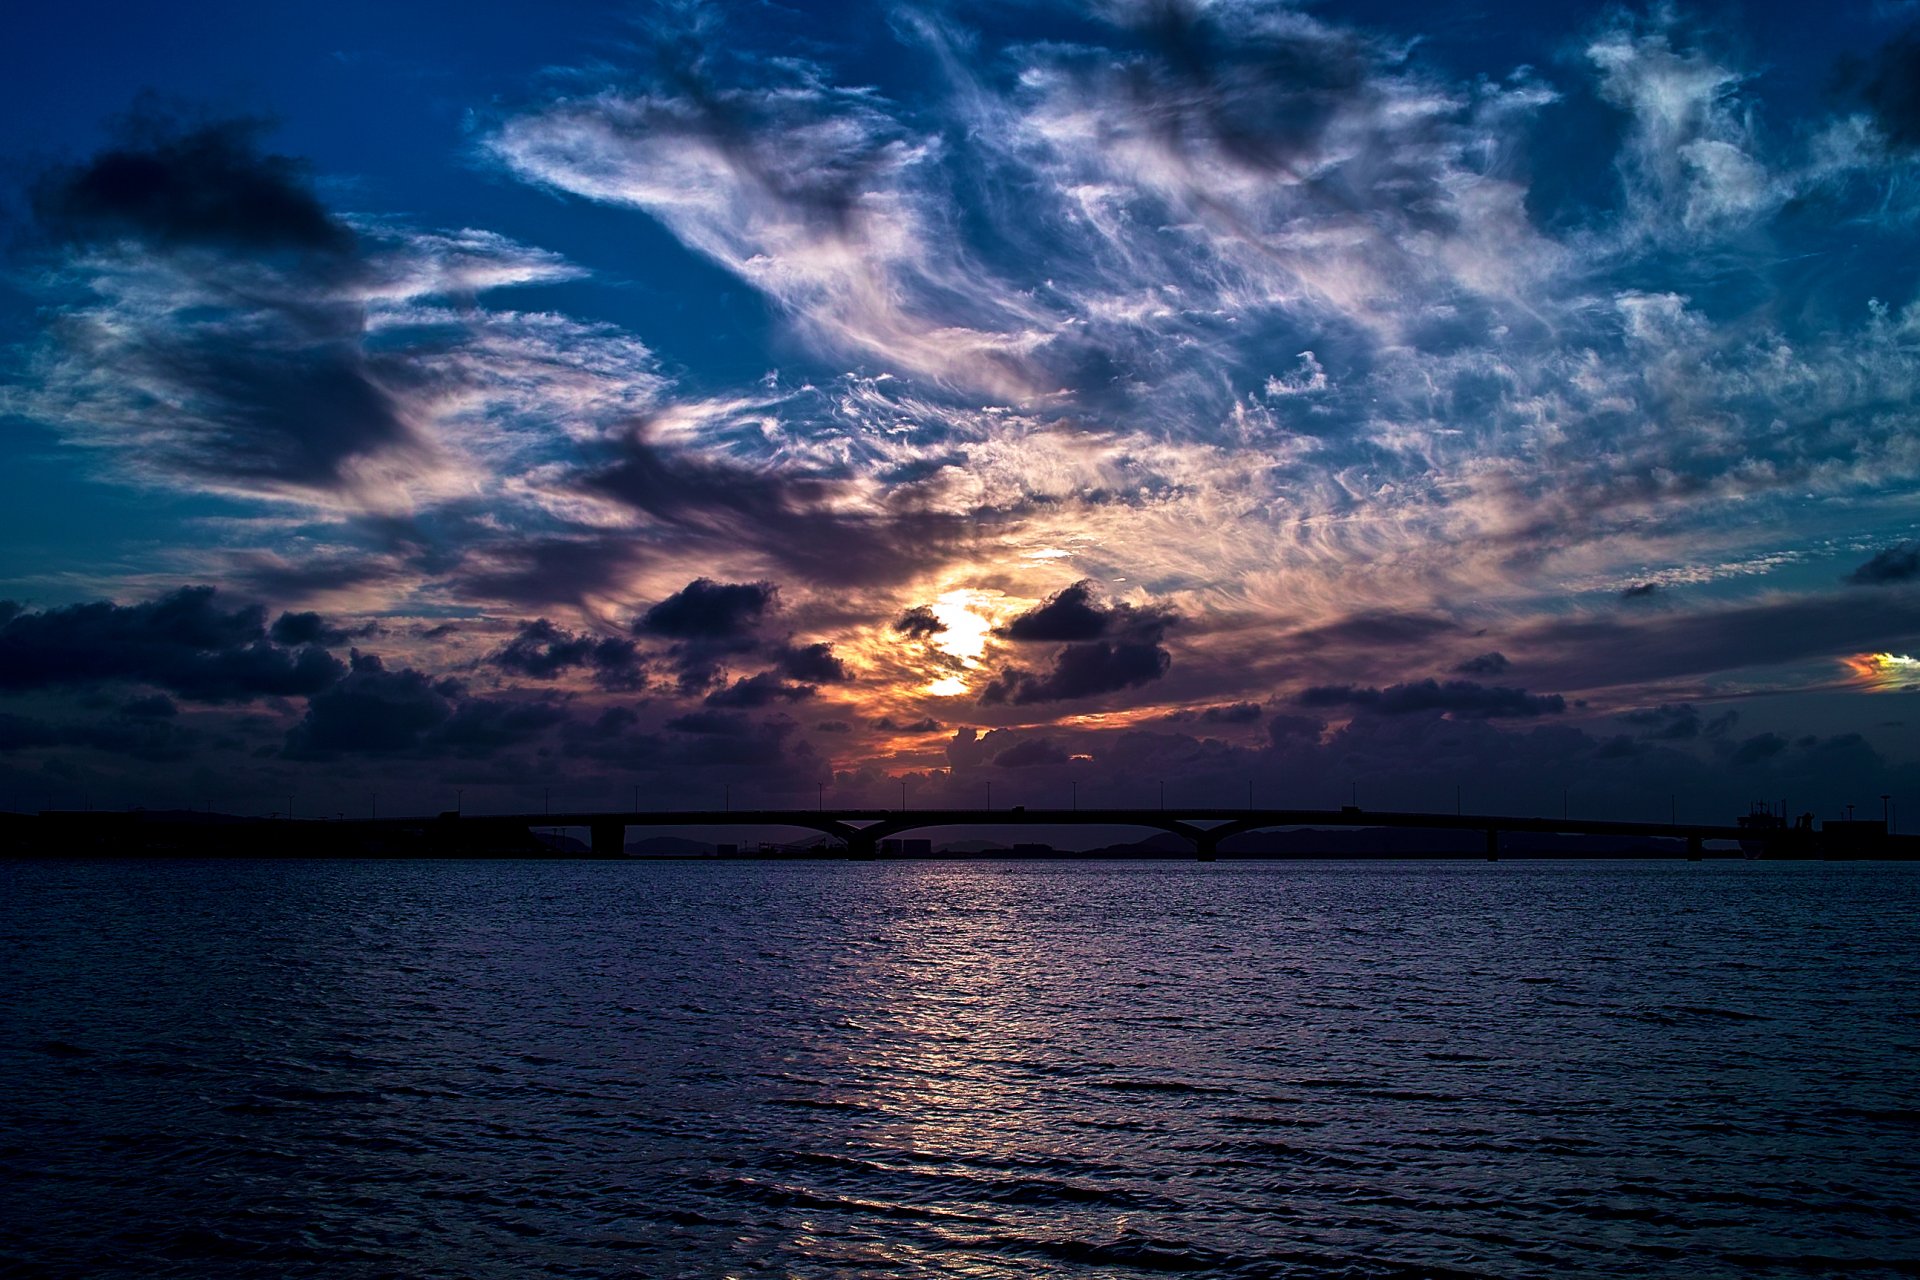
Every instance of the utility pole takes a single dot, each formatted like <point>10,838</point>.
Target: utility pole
<point>459,800</point>
<point>903,793</point>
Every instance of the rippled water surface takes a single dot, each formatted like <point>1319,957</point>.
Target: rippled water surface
<point>590,1069</point>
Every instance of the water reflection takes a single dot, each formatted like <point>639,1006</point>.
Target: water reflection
<point>974,1069</point>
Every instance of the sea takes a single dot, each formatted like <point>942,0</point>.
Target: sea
<point>981,1069</point>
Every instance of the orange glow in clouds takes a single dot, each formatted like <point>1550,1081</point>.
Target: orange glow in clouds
<point>1885,672</point>
<point>969,617</point>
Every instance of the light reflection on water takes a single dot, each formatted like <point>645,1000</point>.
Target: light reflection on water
<point>981,1069</point>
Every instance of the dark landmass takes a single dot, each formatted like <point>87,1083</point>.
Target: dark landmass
<point>192,834</point>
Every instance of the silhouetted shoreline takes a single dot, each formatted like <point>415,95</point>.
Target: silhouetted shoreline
<point>159,834</point>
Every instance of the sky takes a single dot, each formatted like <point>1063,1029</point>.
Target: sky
<point>1510,406</point>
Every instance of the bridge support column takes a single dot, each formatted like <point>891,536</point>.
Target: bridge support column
<point>609,839</point>
<point>1694,848</point>
<point>862,847</point>
<point>1493,844</point>
<point>1206,845</point>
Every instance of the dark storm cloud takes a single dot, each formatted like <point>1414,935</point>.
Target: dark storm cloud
<point>811,664</point>
<point>786,518</point>
<point>1375,629</point>
<point>278,408</point>
<point>724,724</point>
<point>483,726</point>
<point>312,628</point>
<point>1593,651</point>
<point>1082,671</point>
<point>1889,83</point>
<point>1486,664</point>
<point>1639,591</point>
<point>1073,614</point>
<point>1674,722</point>
<point>1760,747</point>
<point>278,577</point>
<point>544,651</point>
<point>1462,698</point>
<point>1034,751</point>
<point>156,741</point>
<point>1895,564</point>
<point>25,733</point>
<point>1233,713</point>
<point>185,642</point>
<point>919,621</point>
<point>252,374</point>
<point>705,610</point>
<point>540,572</point>
<point>172,185</point>
<point>1261,99</point>
<point>373,711</point>
<point>156,706</point>
<point>759,690</point>
<point>681,761</point>
<point>380,711</point>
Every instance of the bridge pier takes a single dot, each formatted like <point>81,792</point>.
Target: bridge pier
<point>1493,844</point>
<point>1695,848</point>
<point>862,847</point>
<point>609,839</point>
<point>1206,845</point>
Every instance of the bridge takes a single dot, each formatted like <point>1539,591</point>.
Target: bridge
<point>862,830</point>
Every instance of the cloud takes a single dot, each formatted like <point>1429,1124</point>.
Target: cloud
<point>1678,722</point>
<point>919,621</point>
<point>185,642</point>
<point>1486,664</point>
<point>1073,614</point>
<point>813,194</point>
<point>544,651</point>
<point>811,525</point>
<point>214,326</point>
<point>1082,671</point>
<point>1461,698</point>
<point>1760,747</point>
<point>1639,591</point>
<point>174,185</point>
<point>1889,83</point>
<point>811,664</point>
<point>1233,713</point>
<point>1894,564</point>
<point>373,711</point>
<point>705,610</point>
<point>1031,752</point>
<point>312,628</point>
<point>759,691</point>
